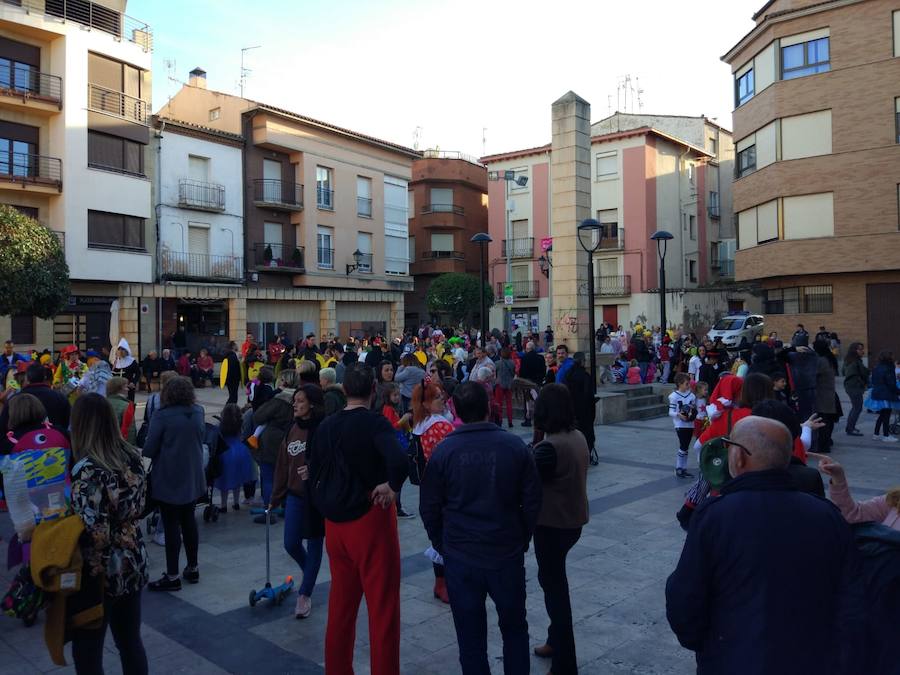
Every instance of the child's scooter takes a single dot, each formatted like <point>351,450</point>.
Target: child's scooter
<point>274,594</point>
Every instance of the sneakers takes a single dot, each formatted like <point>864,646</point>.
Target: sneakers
<point>303,608</point>
<point>854,432</point>
<point>683,473</point>
<point>165,583</point>
<point>406,515</point>
<point>191,575</point>
<point>261,519</point>
<point>889,439</point>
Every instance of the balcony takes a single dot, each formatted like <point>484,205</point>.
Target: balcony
<point>713,211</point>
<point>26,88</point>
<point>726,268</point>
<point>325,258</point>
<point>277,195</point>
<point>518,248</point>
<point>93,15</point>
<point>441,255</point>
<point>364,264</point>
<point>443,208</point>
<point>118,104</point>
<point>324,198</point>
<point>522,290</point>
<point>364,207</point>
<point>614,286</point>
<point>33,173</point>
<point>200,196</point>
<point>279,258</point>
<point>174,266</point>
<point>612,238</point>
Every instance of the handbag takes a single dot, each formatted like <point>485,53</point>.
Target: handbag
<point>415,459</point>
<point>150,504</point>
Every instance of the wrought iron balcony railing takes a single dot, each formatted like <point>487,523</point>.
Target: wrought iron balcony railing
<point>443,208</point>
<point>278,257</point>
<point>435,255</point>
<point>364,207</point>
<point>19,167</point>
<point>324,198</point>
<point>726,267</point>
<point>518,248</point>
<point>277,194</point>
<point>325,258</point>
<point>524,290</point>
<point>195,194</point>
<point>713,210</point>
<point>618,285</point>
<point>176,266</point>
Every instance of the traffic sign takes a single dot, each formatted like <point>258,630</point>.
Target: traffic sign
<point>508,294</point>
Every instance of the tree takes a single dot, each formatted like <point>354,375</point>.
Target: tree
<point>456,295</point>
<point>34,276</point>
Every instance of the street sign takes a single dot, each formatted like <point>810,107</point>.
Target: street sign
<point>507,294</point>
<point>546,244</point>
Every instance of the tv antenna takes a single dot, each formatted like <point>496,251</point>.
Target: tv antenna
<point>245,71</point>
<point>417,135</point>
<point>484,141</point>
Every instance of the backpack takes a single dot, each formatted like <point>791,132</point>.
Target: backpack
<point>714,459</point>
<point>334,488</point>
<point>415,459</point>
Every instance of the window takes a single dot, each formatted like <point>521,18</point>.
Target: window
<point>324,188</point>
<point>713,204</point>
<point>398,251</point>
<point>273,235</point>
<point>607,165</point>
<point>21,330</point>
<point>897,33</point>
<point>112,153</point>
<point>115,231</point>
<point>692,271</point>
<point>746,161</point>
<point>411,248</point>
<point>19,76</point>
<point>799,300</point>
<point>712,145</point>
<point>897,118</point>
<point>17,158</point>
<point>441,200</point>
<point>214,114</point>
<point>744,89</point>
<point>325,248</point>
<point>364,197</point>
<point>442,242</point>
<point>410,205</point>
<point>714,254</point>
<point>692,227</point>
<point>689,170</point>
<point>805,58</point>
<point>364,246</point>
<point>610,234</point>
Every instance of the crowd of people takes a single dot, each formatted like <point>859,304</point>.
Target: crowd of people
<point>332,430</point>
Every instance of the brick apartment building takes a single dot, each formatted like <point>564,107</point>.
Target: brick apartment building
<point>817,167</point>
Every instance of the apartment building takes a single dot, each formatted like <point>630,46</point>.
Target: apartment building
<point>74,103</point>
<point>325,219</point>
<point>643,179</point>
<point>817,177</point>
<point>447,207</point>
<point>199,221</point>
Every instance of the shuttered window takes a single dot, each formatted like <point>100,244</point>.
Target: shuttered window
<point>115,230</point>
<point>113,153</point>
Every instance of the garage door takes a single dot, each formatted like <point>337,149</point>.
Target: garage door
<point>273,310</point>
<point>363,311</point>
<point>883,318</point>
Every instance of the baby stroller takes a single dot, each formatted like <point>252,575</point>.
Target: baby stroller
<point>213,447</point>
<point>895,423</point>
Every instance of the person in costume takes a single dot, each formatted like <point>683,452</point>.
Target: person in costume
<point>125,365</point>
<point>69,372</point>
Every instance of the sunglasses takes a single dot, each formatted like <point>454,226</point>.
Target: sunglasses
<point>728,441</point>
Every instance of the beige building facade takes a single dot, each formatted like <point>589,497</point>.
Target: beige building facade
<point>817,166</point>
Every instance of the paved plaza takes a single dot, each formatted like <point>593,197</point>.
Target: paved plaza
<point>617,573</point>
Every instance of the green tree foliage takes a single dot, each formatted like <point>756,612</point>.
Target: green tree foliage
<point>456,295</point>
<point>34,277</point>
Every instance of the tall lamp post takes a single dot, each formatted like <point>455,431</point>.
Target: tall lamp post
<point>481,239</point>
<point>508,177</point>
<point>589,238</point>
<point>661,237</point>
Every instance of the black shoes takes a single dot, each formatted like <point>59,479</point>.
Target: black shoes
<point>683,473</point>
<point>191,575</point>
<point>165,583</point>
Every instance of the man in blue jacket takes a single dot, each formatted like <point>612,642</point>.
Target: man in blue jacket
<point>768,581</point>
<point>479,502</point>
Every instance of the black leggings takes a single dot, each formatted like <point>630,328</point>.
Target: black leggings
<point>179,524</point>
<point>883,422</point>
<point>123,615</point>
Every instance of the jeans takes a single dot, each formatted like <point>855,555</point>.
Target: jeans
<point>266,480</point>
<point>123,615</point>
<point>643,365</point>
<point>551,546</point>
<point>468,588</point>
<point>856,405</point>
<point>179,524</point>
<point>309,558</point>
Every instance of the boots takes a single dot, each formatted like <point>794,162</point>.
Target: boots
<point>440,590</point>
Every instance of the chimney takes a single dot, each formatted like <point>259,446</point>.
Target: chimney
<point>198,78</point>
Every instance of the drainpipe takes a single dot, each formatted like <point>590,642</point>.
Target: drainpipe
<point>681,215</point>
<point>158,212</point>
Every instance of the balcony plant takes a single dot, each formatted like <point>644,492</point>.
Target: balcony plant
<point>268,256</point>
<point>297,258</point>
<point>34,276</point>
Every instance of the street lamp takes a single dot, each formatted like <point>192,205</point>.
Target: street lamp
<point>357,257</point>
<point>589,238</point>
<point>508,177</point>
<point>661,237</point>
<point>481,239</point>
<point>545,262</point>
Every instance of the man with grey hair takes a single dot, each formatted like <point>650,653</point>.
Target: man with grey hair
<point>768,580</point>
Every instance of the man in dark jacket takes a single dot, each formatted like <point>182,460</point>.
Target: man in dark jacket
<point>768,581</point>
<point>578,382</point>
<point>233,376</point>
<point>36,384</point>
<point>356,469</point>
<point>533,368</point>
<point>479,502</point>
<point>8,360</point>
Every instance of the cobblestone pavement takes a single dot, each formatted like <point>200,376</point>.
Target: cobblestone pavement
<point>617,573</point>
